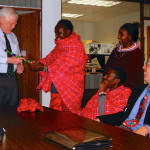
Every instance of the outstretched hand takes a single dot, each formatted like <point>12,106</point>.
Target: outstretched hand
<point>35,66</point>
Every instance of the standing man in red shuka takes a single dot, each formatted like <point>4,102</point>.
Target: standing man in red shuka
<point>65,66</point>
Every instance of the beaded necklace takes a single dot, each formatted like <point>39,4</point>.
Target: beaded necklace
<point>131,48</point>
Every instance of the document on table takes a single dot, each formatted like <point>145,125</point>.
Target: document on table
<point>79,138</point>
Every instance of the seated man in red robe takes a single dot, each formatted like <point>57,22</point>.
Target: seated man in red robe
<point>65,66</point>
<point>112,96</point>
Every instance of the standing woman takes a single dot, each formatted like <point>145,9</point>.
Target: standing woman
<point>128,55</point>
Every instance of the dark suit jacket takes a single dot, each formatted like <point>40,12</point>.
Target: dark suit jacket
<point>118,118</point>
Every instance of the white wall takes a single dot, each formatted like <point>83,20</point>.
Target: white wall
<point>86,30</point>
<point>51,14</point>
<point>107,31</point>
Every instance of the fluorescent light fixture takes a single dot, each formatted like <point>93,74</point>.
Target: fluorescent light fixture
<point>71,15</point>
<point>94,2</point>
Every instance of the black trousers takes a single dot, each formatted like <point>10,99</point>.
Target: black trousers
<point>8,90</point>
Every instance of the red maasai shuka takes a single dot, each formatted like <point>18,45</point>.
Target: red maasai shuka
<point>116,101</point>
<point>66,69</point>
<point>29,104</point>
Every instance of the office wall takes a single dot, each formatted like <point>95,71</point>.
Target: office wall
<point>85,29</point>
<point>107,31</point>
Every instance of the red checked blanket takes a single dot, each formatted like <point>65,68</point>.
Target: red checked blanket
<point>66,70</point>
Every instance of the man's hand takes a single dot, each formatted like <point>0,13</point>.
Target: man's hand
<point>14,60</point>
<point>97,119</point>
<point>20,68</point>
<point>142,131</point>
<point>36,66</point>
<point>103,85</point>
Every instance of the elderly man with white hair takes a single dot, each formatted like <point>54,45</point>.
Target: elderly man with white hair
<point>9,65</point>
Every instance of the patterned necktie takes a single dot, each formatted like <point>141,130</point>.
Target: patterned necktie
<point>10,67</point>
<point>128,124</point>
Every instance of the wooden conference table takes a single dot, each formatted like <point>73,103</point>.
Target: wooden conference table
<point>24,131</point>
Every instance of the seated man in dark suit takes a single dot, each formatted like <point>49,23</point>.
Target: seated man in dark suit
<point>136,116</point>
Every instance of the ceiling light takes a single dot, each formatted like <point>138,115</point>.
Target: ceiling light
<point>94,2</point>
<point>71,15</point>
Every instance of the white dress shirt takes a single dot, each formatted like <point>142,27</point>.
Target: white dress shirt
<point>3,55</point>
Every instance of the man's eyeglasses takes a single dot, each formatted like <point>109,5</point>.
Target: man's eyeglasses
<point>147,63</point>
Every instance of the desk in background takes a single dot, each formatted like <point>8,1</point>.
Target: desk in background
<point>24,131</point>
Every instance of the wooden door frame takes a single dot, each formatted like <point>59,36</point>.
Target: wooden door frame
<point>148,38</point>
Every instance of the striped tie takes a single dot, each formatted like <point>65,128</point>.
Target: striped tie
<point>128,124</point>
